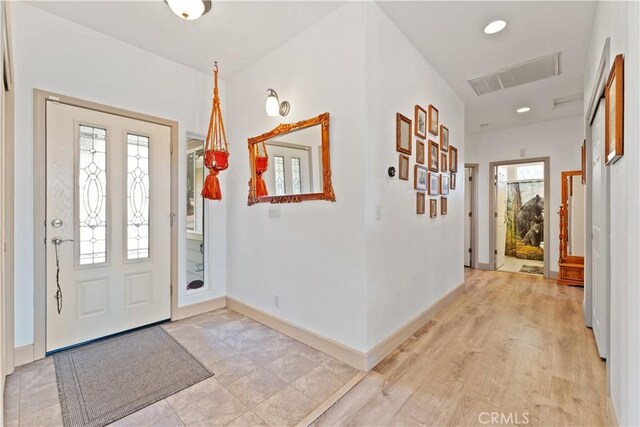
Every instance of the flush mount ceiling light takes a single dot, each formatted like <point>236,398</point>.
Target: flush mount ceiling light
<point>495,27</point>
<point>189,9</point>
<point>274,107</point>
<point>523,110</point>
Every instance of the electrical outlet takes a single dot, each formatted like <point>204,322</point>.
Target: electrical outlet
<point>378,212</point>
<point>274,211</point>
<point>523,152</point>
<point>276,300</point>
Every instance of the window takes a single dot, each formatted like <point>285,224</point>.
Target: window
<point>278,168</point>
<point>137,196</point>
<point>195,181</point>
<point>529,172</point>
<point>92,195</point>
<point>296,179</point>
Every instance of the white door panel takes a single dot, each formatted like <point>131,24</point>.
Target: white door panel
<point>108,192</point>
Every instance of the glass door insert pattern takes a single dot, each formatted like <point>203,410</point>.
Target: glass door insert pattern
<point>137,197</point>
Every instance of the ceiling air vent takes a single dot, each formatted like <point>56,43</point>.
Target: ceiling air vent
<point>526,72</point>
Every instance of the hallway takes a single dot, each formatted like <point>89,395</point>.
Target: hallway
<point>522,351</point>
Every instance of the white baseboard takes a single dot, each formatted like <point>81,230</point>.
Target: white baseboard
<point>553,275</point>
<point>198,308</point>
<point>23,355</point>
<point>483,266</point>
<point>611,413</point>
<point>384,348</point>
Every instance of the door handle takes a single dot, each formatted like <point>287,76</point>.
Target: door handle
<point>57,240</point>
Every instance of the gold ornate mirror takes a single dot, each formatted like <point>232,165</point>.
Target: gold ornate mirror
<point>291,163</point>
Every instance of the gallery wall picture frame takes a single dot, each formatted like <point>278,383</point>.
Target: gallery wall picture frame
<point>403,167</point>
<point>453,181</point>
<point>403,134</point>
<point>453,159</point>
<point>433,120</point>
<point>443,205</point>
<point>420,122</point>
<point>420,178</point>
<point>420,152</point>
<point>434,184</point>
<point>444,184</point>
<point>433,208</point>
<point>614,112</point>
<point>444,138</point>
<point>444,164</point>
<point>433,156</point>
<point>421,203</point>
<point>583,161</point>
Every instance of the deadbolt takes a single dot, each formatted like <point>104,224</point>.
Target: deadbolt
<point>57,223</point>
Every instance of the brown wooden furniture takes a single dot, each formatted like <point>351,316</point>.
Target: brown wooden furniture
<point>571,267</point>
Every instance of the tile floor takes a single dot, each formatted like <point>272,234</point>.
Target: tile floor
<point>261,377</point>
<point>514,265</point>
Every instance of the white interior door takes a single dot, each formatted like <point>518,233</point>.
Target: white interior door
<point>599,236</point>
<point>500,215</point>
<point>108,200</point>
<point>467,216</point>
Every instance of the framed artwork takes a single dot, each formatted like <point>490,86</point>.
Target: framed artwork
<point>421,122</point>
<point>403,134</point>
<point>433,120</point>
<point>443,205</point>
<point>444,138</point>
<point>444,184</point>
<point>443,162</point>
<point>434,184</point>
<point>419,178</point>
<point>453,181</point>
<point>420,203</point>
<point>403,167</point>
<point>433,208</point>
<point>453,159</point>
<point>434,151</point>
<point>420,152</point>
<point>583,161</point>
<point>614,112</point>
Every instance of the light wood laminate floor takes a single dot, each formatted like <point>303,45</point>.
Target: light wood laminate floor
<point>514,344</point>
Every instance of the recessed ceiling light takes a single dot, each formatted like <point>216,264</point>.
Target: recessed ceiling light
<point>523,109</point>
<point>495,27</point>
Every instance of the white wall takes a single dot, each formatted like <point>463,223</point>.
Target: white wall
<point>412,260</point>
<point>313,256</point>
<point>558,139</point>
<point>57,55</point>
<point>619,21</point>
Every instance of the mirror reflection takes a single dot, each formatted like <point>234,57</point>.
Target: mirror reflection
<point>575,215</point>
<point>195,214</point>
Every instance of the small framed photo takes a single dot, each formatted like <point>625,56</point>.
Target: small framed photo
<point>614,112</point>
<point>421,122</point>
<point>403,167</point>
<point>444,184</point>
<point>420,152</point>
<point>420,203</point>
<point>453,181</point>
<point>433,208</point>
<point>444,138</point>
<point>433,120</point>
<point>443,205</point>
<point>403,134</point>
<point>443,162</point>
<point>434,152</point>
<point>434,184</point>
<point>419,178</point>
<point>453,159</point>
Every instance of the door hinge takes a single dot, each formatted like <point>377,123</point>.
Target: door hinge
<point>470,178</point>
<point>495,214</point>
<point>470,214</point>
<point>171,149</point>
<point>495,252</point>
<point>171,215</point>
<point>469,250</point>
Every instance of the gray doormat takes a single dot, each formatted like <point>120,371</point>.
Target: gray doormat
<point>532,269</point>
<point>104,381</point>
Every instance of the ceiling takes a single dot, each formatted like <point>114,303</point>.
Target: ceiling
<point>450,35</point>
<point>236,33</point>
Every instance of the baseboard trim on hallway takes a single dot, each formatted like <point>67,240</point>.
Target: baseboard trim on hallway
<point>198,308</point>
<point>342,352</point>
<point>612,419</point>
<point>553,275</point>
<point>23,355</point>
<point>482,266</point>
<point>309,419</point>
<point>384,348</point>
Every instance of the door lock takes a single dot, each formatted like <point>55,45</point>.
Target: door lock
<point>57,223</point>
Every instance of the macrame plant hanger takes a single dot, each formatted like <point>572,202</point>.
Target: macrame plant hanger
<point>262,163</point>
<point>216,150</point>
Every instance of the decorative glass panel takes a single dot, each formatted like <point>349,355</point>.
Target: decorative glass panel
<point>92,199</point>
<point>296,178</point>
<point>278,164</point>
<point>195,182</point>
<point>137,196</point>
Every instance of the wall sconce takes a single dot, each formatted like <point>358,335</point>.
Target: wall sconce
<point>274,106</point>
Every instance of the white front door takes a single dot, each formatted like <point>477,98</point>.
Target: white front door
<point>501,215</point>
<point>467,215</point>
<point>108,203</point>
<point>599,233</point>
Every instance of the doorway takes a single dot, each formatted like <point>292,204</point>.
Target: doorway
<point>109,259</point>
<point>519,221</point>
<point>470,215</point>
